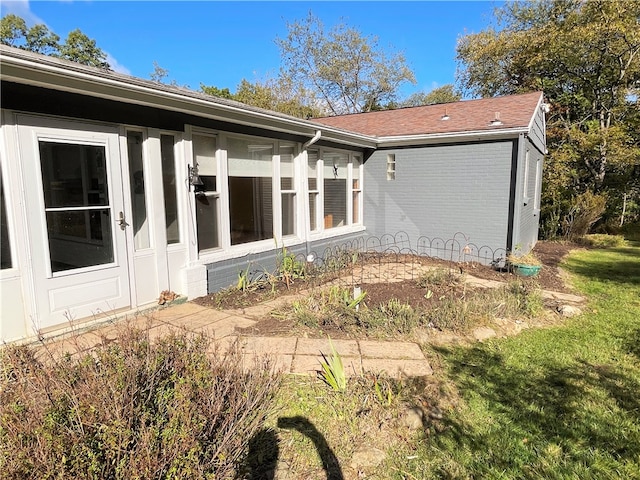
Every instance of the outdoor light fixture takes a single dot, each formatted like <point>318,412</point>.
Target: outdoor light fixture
<point>335,170</point>
<point>194,179</point>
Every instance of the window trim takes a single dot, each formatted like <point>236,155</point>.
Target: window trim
<point>300,188</point>
<point>207,193</point>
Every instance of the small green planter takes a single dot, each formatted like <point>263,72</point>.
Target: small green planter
<point>526,270</point>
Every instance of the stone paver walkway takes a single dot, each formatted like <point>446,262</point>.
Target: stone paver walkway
<point>288,354</point>
<point>292,355</point>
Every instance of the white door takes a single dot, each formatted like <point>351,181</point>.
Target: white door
<point>74,200</point>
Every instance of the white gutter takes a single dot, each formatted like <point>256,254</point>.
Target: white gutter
<point>310,142</point>
<point>431,138</point>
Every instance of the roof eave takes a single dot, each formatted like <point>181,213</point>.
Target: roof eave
<point>58,75</point>
<point>455,137</point>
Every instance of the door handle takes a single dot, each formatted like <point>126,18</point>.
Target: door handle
<point>122,222</point>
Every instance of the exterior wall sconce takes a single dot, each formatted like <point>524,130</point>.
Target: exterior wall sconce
<point>194,179</point>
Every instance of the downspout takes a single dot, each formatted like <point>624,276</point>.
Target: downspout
<point>310,142</point>
<point>305,146</point>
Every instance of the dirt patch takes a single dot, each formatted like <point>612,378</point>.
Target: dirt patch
<point>406,291</point>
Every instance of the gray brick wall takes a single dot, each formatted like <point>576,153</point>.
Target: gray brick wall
<point>441,190</point>
<point>223,274</point>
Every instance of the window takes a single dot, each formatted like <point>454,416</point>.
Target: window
<point>208,200</point>
<point>391,166</point>
<point>141,235</point>
<point>76,201</point>
<point>5,247</point>
<point>335,189</point>
<point>314,193</point>
<point>356,189</point>
<point>250,189</point>
<point>536,201</point>
<point>526,180</point>
<point>167,152</point>
<point>287,190</point>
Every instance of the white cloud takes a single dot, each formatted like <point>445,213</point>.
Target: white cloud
<point>116,66</point>
<point>22,9</point>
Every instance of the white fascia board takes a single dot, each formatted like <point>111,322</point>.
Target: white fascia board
<point>89,81</point>
<point>430,139</point>
<point>536,111</point>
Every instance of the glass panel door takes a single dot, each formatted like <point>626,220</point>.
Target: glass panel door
<point>77,209</point>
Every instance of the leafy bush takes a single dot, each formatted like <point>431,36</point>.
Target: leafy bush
<point>601,240</point>
<point>173,408</point>
<point>587,209</point>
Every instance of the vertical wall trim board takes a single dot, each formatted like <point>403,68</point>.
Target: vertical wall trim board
<point>517,146</point>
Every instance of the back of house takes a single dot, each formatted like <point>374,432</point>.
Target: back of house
<point>115,189</point>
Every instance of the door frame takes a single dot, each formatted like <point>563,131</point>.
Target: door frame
<point>29,129</point>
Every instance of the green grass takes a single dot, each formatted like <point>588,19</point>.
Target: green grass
<point>562,402</point>
<point>556,403</point>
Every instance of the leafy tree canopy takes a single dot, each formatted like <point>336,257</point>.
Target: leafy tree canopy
<point>272,94</point>
<point>345,71</point>
<point>443,94</point>
<point>585,56</point>
<point>77,47</point>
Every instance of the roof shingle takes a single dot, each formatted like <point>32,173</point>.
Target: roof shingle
<point>514,111</point>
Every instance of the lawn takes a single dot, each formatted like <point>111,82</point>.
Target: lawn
<point>559,402</point>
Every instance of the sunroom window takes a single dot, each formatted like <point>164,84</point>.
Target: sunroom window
<point>335,189</point>
<point>208,200</point>
<point>167,146</point>
<point>356,191</point>
<point>288,190</point>
<point>250,189</point>
<point>314,192</point>
<point>5,247</point>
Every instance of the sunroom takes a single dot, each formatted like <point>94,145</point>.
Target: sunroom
<point>115,189</point>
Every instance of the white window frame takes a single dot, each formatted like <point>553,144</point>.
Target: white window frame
<point>207,193</point>
<point>525,182</point>
<point>350,225</point>
<point>294,190</point>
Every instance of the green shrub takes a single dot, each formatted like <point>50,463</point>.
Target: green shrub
<point>587,209</point>
<point>173,408</point>
<point>601,240</point>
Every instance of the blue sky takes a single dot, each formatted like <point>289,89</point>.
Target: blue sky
<point>220,43</point>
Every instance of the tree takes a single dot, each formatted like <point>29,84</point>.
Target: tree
<point>344,70</point>
<point>77,46</point>
<point>271,94</point>
<point>81,49</point>
<point>443,94</point>
<point>39,39</point>
<point>13,30</point>
<point>585,56</point>
<point>159,74</point>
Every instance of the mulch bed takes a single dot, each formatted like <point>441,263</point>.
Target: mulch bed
<point>549,278</point>
<point>407,291</point>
